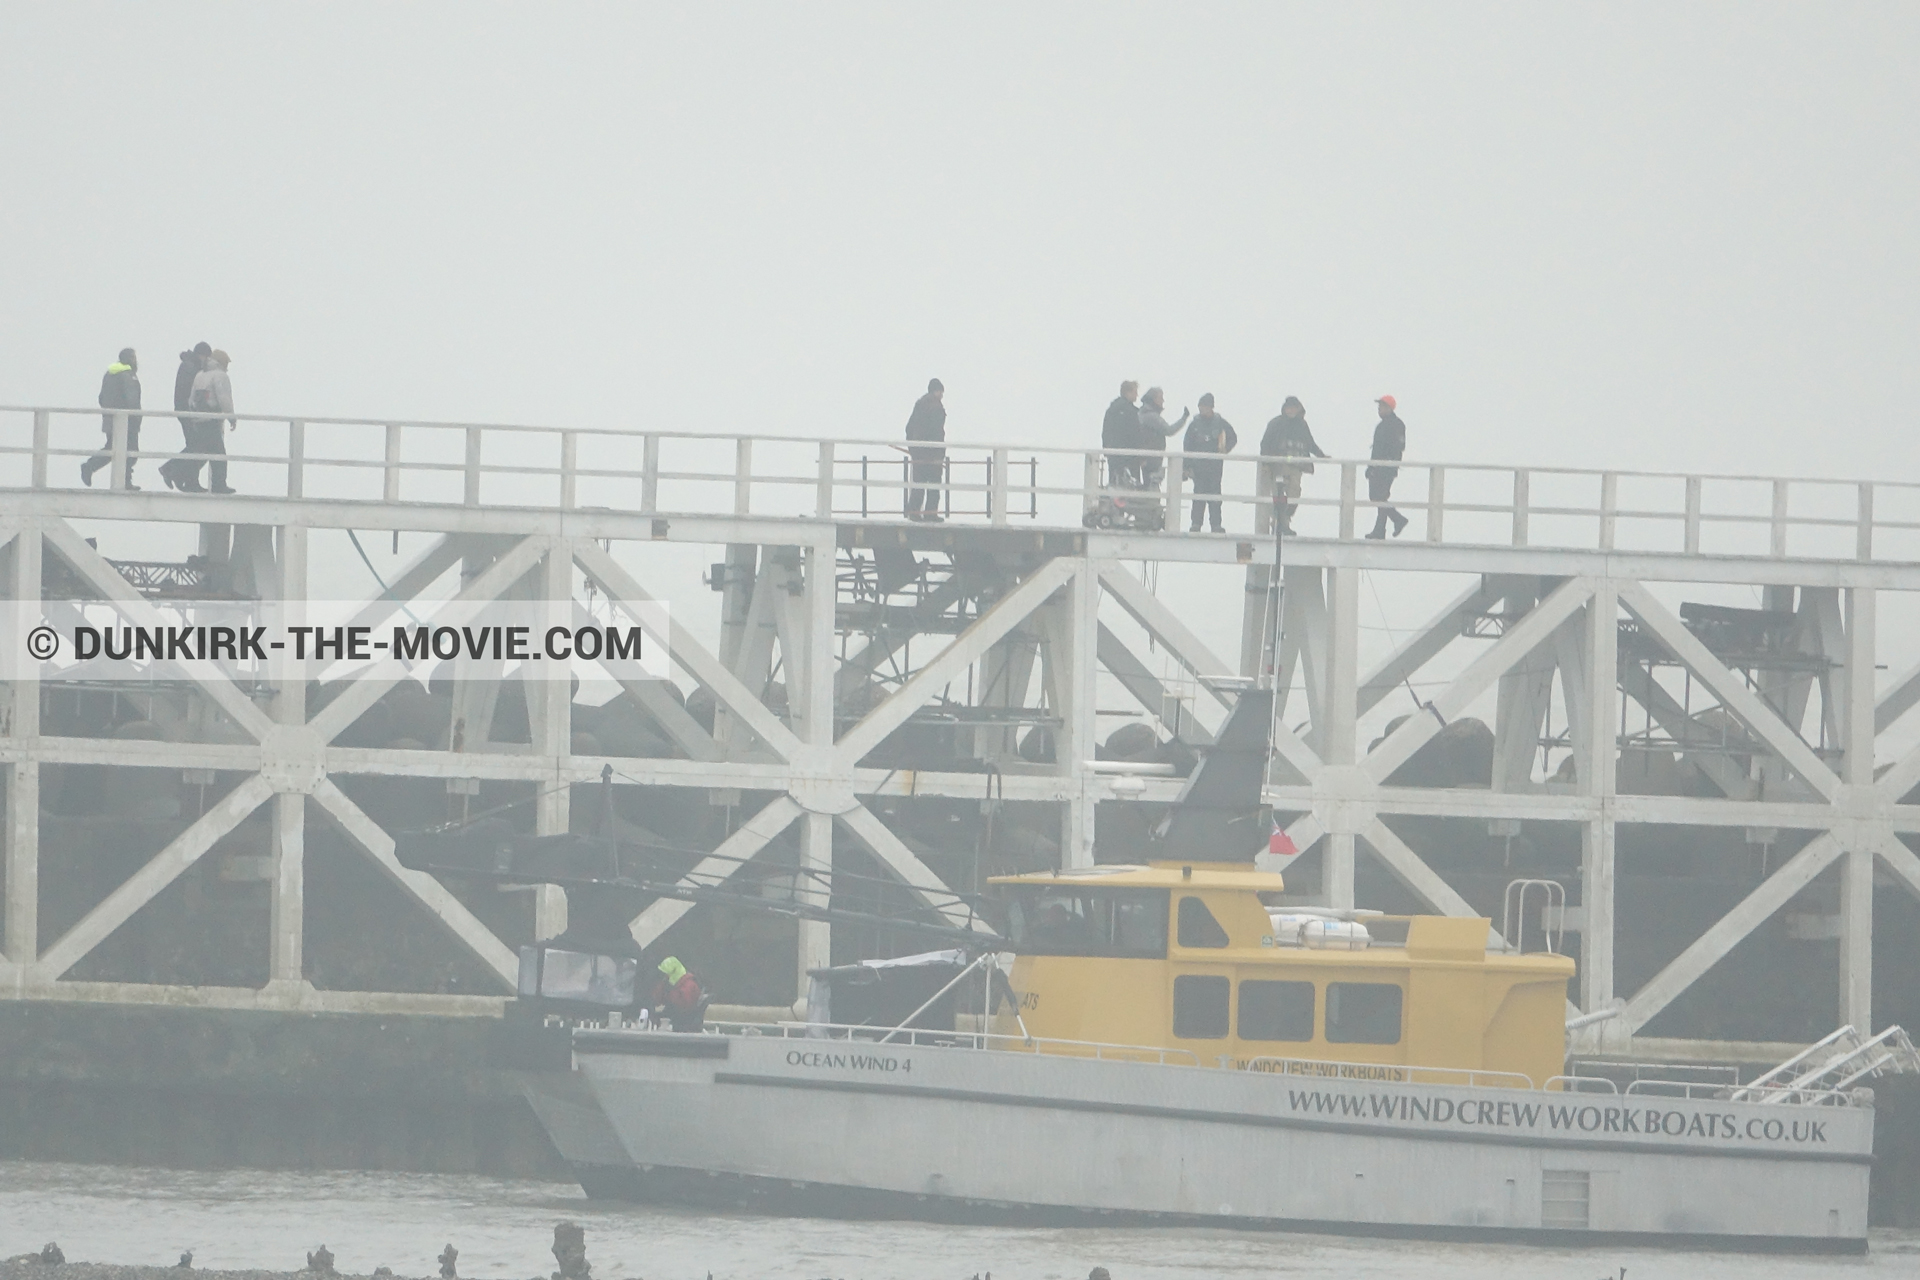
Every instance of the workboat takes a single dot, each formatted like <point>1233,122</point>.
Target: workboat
<point>1168,1043</point>
<point>1190,1056</point>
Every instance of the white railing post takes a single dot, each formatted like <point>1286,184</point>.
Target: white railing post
<point>1692,543</point>
<point>40,424</point>
<point>473,466</point>
<point>1349,477</point>
<point>119,447</point>
<point>1436,504</point>
<point>1090,481</point>
<point>1779,522</point>
<point>1863,527</point>
<point>742,474</point>
<point>1609,505</point>
<point>296,458</point>
<point>997,487</point>
<point>1176,479</point>
<point>823,485</point>
<point>390,472</point>
<point>569,468</point>
<point>1522,485</point>
<point>650,472</point>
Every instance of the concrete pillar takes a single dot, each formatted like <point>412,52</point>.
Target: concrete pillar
<point>288,906</point>
<point>810,699</point>
<point>1256,620</point>
<point>1340,739</point>
<point>23,781</point>
<point>287,911</point>
<point>738,590</point>
<point>815,950</point>
<point>1304,639</point>
<point>1856,868</point>
<point>1004,678</point>
<point>1785,692</point>
<point>1079,730</point>
<point>476,681</point>
<point>1598,781</point>
<point>1525,692</point>
<point>550,719</point>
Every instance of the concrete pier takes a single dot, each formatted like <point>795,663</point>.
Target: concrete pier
<point>1723,791</point>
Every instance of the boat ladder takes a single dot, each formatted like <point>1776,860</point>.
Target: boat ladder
<point>1833,1064</point>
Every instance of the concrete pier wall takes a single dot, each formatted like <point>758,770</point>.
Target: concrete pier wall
<point>204,1088</point>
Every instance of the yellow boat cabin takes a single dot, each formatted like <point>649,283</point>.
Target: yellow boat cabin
<point>1191,956</point>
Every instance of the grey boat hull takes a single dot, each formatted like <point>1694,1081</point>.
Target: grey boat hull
<point>838,1129</point>
<point>564,1104</point>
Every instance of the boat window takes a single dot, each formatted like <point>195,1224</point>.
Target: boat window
<point>1073,921</point>
<point>1198,928</point>
<point>1363,1013</point>
<point>1200,1006</point>
<point>1276,1010</point>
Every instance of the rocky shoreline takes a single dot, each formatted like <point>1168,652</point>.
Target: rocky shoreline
<point>50,1263</point>
<point>15,1269</point>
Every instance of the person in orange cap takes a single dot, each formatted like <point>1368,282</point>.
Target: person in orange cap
<point>1389,445</point>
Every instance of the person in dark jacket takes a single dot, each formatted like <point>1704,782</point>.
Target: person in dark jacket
<point>1389,445</point>
<point>176,471</point>
<point>119,389</point>
<point>927,422</point>
<point>1209,433</point>
<point>1287,436</point>
<point>1121,430</point>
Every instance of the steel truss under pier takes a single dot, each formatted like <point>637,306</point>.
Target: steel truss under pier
<point>871,671</point>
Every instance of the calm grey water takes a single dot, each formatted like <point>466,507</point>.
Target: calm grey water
<point>250,1218</point>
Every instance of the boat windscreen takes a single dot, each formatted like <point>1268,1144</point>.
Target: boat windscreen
<point>1069,920</point>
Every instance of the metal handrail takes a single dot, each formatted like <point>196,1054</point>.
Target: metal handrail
<point>95,412</point>
<point>1513,911</point>
<point>1578,1084</point>
<point>1402,1073</point>
<point>1326,1067</point>
<point>1707,1089</point>
<point>1054,477</point>
<point>927,1038</point>
<point>1855,1059</point>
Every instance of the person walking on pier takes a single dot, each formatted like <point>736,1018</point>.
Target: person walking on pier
<point>1389,445</point>
<point>1121,430</point>
<point>1287,436</point>
<point>174,470</point>
<point>1154,433</point>
<point>927,424</point>
<point>119,389</point>
<point>212,393</point>
<point>1210,433</point>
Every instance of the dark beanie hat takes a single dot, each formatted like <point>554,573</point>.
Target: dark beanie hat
<point>934,384</point>
<point>1207,400</point>
<point>1293,402</point>
<point>202,349</point>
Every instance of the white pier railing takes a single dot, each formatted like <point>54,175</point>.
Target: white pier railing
<point>849,478</point>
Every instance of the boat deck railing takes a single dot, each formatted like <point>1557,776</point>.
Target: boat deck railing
<point>1391,1072</point>
<point>1295,1068</point>
<point>664,473</point>
<point>937,1039</point>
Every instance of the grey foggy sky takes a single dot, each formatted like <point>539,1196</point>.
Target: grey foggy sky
<point>1625,235</point>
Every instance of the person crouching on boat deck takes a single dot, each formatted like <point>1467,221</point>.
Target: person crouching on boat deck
<point>677,997</point>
